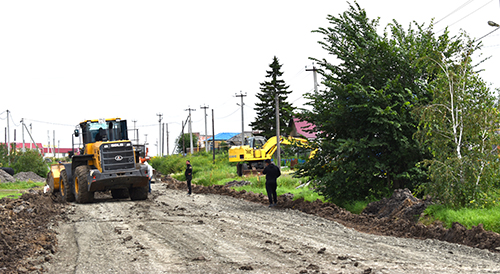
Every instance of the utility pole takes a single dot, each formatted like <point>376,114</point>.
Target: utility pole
<point>163,140</point>
<point>159,135</point>
<point>278,135</point>
<point>213,137</point>
<point>22,133</point>
<point>242,121</point>
<point>205,111</point>
<point>167,138</point>
<point>8,135</point>
<point>48,137</point>
<point>135,138</point>
<point>314,70</point>
<point>54,142</point>
<point>182,135</point>
<point>190,130</point>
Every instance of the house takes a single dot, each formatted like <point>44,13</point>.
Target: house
<point>44,150</point>
<point>220,139</point>
<point>300,129</point>
<point>236,140</point>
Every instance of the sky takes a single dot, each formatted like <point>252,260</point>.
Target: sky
<point>62,62</point>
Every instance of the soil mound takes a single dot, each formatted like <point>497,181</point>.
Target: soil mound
<point>401,205</point>
<point>396,216</point>
<point>6,177</point>
<point>26,237</point>
<point>29,176</point>
<point>237,183</point>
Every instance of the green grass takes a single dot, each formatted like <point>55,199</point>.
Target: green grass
<point>489,217</point>
<point>10,194</point>
<point>15,189</point>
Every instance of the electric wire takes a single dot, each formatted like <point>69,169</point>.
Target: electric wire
<point>488,33</point>
<point>48,123</point>
<point>467,15</point>
<point>457,9</point>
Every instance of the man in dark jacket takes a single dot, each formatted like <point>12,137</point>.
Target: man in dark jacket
<point>189,175</point>
<point>272,173</point>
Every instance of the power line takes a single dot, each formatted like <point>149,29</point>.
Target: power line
<point>457,9</point>
<point>467,15</point>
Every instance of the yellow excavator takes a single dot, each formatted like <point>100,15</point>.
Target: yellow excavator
<point>251,157</point>
<point>107,160</point>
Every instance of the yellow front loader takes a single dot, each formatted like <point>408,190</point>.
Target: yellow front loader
<point>107,160</point>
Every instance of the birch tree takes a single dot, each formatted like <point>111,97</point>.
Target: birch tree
<point>458,128</point>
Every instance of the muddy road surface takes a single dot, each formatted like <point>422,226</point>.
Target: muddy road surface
<point>172,232</point>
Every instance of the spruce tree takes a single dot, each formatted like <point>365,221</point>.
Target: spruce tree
<point>265,121</point>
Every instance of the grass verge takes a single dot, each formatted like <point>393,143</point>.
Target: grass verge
<point>14,190</point>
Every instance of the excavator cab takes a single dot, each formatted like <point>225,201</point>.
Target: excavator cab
<point>256,142</point>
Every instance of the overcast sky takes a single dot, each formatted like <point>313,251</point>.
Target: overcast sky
<point>62,62</point>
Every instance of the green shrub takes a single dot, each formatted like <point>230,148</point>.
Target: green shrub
<point>30,160</point>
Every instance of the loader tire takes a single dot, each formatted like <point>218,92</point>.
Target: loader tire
<point>138,193</point>
<point>66,188</point>
<point>119,193</point>
<point>82,193</point>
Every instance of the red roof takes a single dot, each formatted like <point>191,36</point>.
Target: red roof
<point>302,126</point>
<point>44,149</point>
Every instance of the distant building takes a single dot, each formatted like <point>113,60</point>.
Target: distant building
<point>236,140</point>
<point>219,139</point>
<point>300,128</point>
<point>44,150</point>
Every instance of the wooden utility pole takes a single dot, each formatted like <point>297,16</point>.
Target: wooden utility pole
<point>242,120</point>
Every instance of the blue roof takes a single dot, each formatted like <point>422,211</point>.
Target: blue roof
<point>223,136</point>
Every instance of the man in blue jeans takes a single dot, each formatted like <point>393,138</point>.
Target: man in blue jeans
<point>272,173</point>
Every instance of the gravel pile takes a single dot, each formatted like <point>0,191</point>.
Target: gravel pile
<point>28,176</point>
<point>6,177</point>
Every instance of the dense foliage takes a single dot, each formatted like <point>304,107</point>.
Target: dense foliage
<point>183,143</point>
<point>364,116</point>
<point>265,119</point>
<point>458,128</point>
<point>30,160</point>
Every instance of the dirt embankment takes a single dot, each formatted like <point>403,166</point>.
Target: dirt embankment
<point>27,238</point>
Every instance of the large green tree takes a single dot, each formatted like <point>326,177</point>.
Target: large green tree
<point>265,120</point>
<point>458,127</point>
<point>364,115</point>
<point>184,141</point>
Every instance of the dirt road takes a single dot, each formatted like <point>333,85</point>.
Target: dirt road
<point>204,233</point>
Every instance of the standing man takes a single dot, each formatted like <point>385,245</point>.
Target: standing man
<point>150,171</point>
<point>189,175</point>
<point>272,173</point>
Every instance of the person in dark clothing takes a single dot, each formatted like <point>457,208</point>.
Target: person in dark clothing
<point>272,173</point>
<point>189,175</point>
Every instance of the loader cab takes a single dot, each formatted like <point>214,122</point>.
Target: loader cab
<point>104,130</point>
